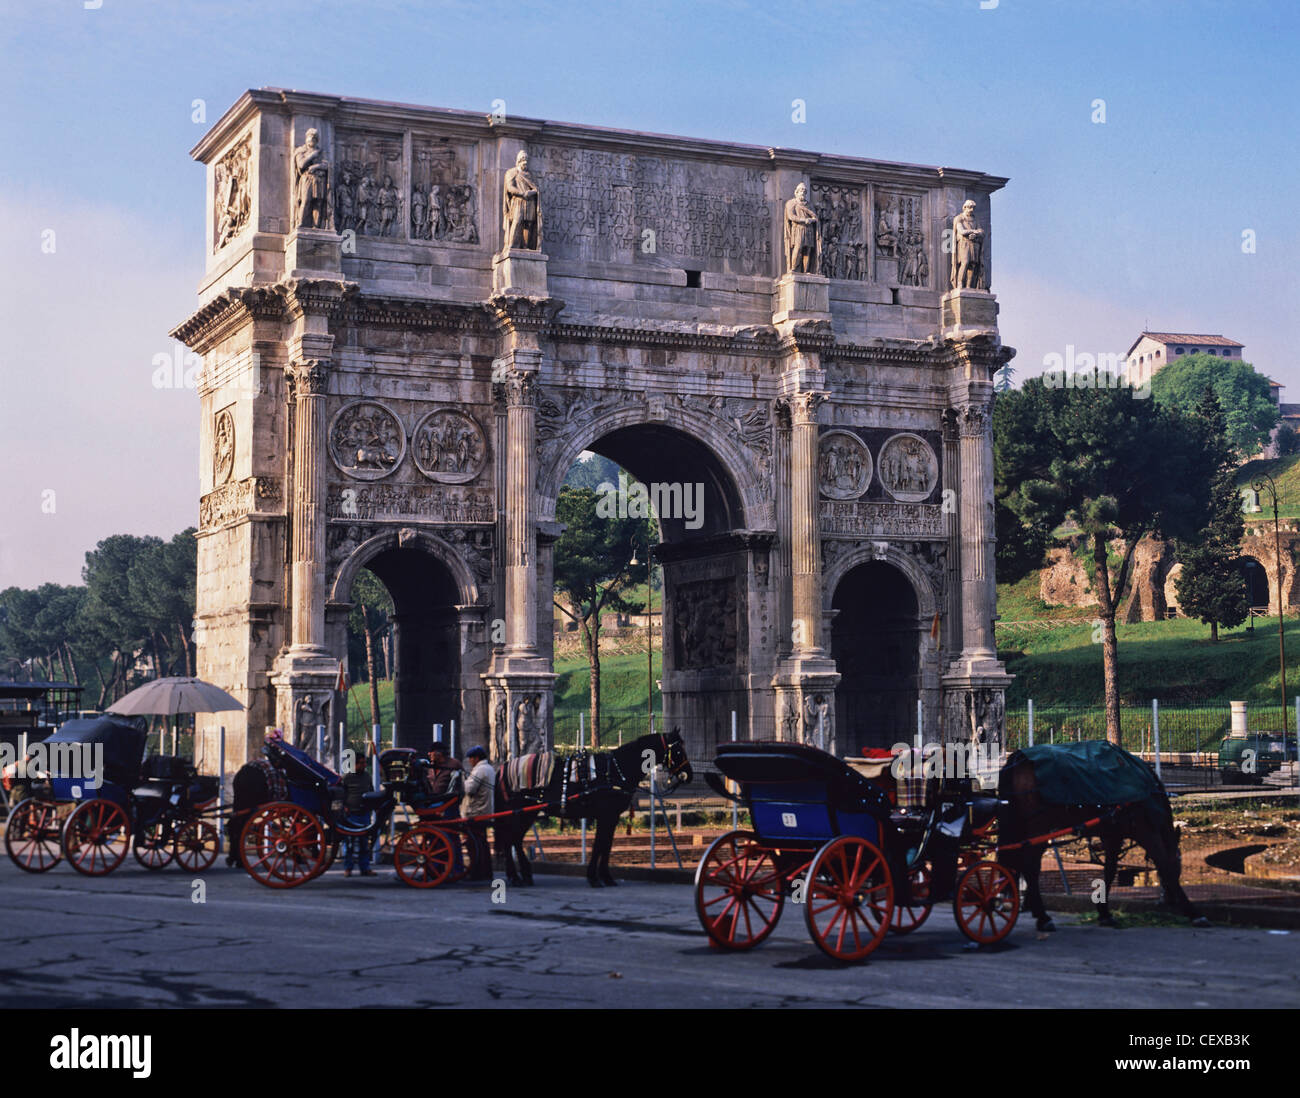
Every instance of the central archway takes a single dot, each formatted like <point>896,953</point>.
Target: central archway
<point>709,564</point>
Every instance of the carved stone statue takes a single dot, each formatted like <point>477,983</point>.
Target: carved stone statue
<point>307,715</point>
<point>390,203</point>
<point>967,250</point>
<point>802,235</point>
<point>529,714</point>
<point>311,177</point>
<point>419,215</point>
<point>436,222</point>
<point>521,210</point>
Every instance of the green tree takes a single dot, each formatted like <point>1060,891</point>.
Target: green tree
<point>1115,464</point>
<point>1249,410</point>
<point>591,472</point>
<point>372,610</point>
<point>592,571</point>
<point>1211,585</point>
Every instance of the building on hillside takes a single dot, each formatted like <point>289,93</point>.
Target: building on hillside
<point>1152,350</point>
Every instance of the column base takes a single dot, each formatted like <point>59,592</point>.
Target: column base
<point>304,680</point>
<point>974,713</point>
<point>520,712</point>
<point>519,272</point>
<point>805,701</point>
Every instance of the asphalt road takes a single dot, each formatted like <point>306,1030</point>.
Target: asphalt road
<point>137,939</point>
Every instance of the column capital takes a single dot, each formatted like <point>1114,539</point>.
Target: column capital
<point>974,420</point>
<point>307,377</point>
<point>803,406</point>
<point>518,388</point>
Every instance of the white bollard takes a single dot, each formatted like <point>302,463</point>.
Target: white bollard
<point>582,738</point>
<point>735,809</point>
<point>452,741</point>
<point>374,762</point>
<point>320,744</point>
<point>338,758</point>
<point>1155,734</point>
<point>1031,722</point>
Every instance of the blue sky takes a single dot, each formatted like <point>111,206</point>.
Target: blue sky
<point>1103,229</point>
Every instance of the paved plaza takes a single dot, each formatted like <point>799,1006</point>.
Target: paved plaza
<point>137,939</point>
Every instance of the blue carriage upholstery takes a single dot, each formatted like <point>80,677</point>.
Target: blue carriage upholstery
<point>798,795</point>
<point>310,783</point>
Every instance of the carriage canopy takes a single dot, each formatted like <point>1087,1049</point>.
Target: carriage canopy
<point>123,740</point>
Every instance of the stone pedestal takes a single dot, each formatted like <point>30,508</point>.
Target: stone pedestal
<point>966,313</point>
<point>519,714</point>
<point>313,253</point>
<point>519,272</point>
<point>304,685</point>
<point>974,713</point>
<point>805,703</point>
<point>802,297</point>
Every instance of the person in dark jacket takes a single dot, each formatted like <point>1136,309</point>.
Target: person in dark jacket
<point>357,847</point>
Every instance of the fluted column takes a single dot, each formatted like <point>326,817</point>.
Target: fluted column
<point>805,532</point>
<point>978,537</point>
<point>308,379</point>
<point>521,513</point>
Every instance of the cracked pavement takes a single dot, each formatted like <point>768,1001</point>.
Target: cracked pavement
<point>136,939</point>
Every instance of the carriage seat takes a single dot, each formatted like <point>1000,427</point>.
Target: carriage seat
<point>374,798</point>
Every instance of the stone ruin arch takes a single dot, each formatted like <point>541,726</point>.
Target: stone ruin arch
<point>413,320</point>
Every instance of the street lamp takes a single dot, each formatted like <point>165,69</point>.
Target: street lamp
<point>1258,486</point>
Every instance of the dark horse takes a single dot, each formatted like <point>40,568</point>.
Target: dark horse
<point>1149,822</point>
<point>600,789</point>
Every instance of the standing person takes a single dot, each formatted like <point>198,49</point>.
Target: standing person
<point>355,786</point>
<point>479,800</point>
<point>445,779</point>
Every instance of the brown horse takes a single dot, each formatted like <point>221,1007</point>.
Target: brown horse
<point>1026,813</point>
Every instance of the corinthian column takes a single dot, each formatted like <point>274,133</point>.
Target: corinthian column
<point>521,513</point>
<point>308,380</point>
<point>805,533</point>
<point>978,537</point>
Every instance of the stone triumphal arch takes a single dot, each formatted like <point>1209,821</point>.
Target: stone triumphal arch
<point>413,321</point>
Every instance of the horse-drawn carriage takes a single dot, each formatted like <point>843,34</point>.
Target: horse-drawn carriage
<point>290,819</point>
<point>829,837</point>
<point>95,799</point>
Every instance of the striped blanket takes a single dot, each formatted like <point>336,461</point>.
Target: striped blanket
<point>528,772</point>
<point>276,787</point>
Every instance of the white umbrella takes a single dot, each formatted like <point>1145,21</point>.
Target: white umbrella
<point>176,694</point>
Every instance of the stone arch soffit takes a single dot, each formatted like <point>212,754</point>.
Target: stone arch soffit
<point>740,467</point>
<point>927,602</point>
<point>466,586</point>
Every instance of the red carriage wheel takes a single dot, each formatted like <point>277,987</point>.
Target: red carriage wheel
<point>424,857</point>
<point>32,835</point>
<point>849,899</point>
<point>987,902</point>
<point>197,845</point>
<point>739,891</point>
<point>283,845</point>
<point>96,837</point>
<point>908,917</point>
<point>153,845</point>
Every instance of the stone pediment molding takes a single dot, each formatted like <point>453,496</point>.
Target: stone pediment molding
<point>745,340</point>
<point>978,358</point>
<point>410,314</point>
<point>517,313</point>
<point>317,297</point>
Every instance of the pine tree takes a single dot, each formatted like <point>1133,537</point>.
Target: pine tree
<point>1212,586</point>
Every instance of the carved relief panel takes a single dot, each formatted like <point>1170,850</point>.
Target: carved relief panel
<point>223,447</point>
<point>367,192</point>
<point>843,465</point>
<point>898,222</point>
<point>449,447</point>
<point>232,194</point>
<point>444,202</point>
<point>839,209</point>
<point>909,469</point>
<point>366,440</point>
<point>705,629</point>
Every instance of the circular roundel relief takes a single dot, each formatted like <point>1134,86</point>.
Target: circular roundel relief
<point>843,465</point>
<point>448,447</point>
<point>366,440</point>
<point>908,468</point>
<point>223,447</point>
